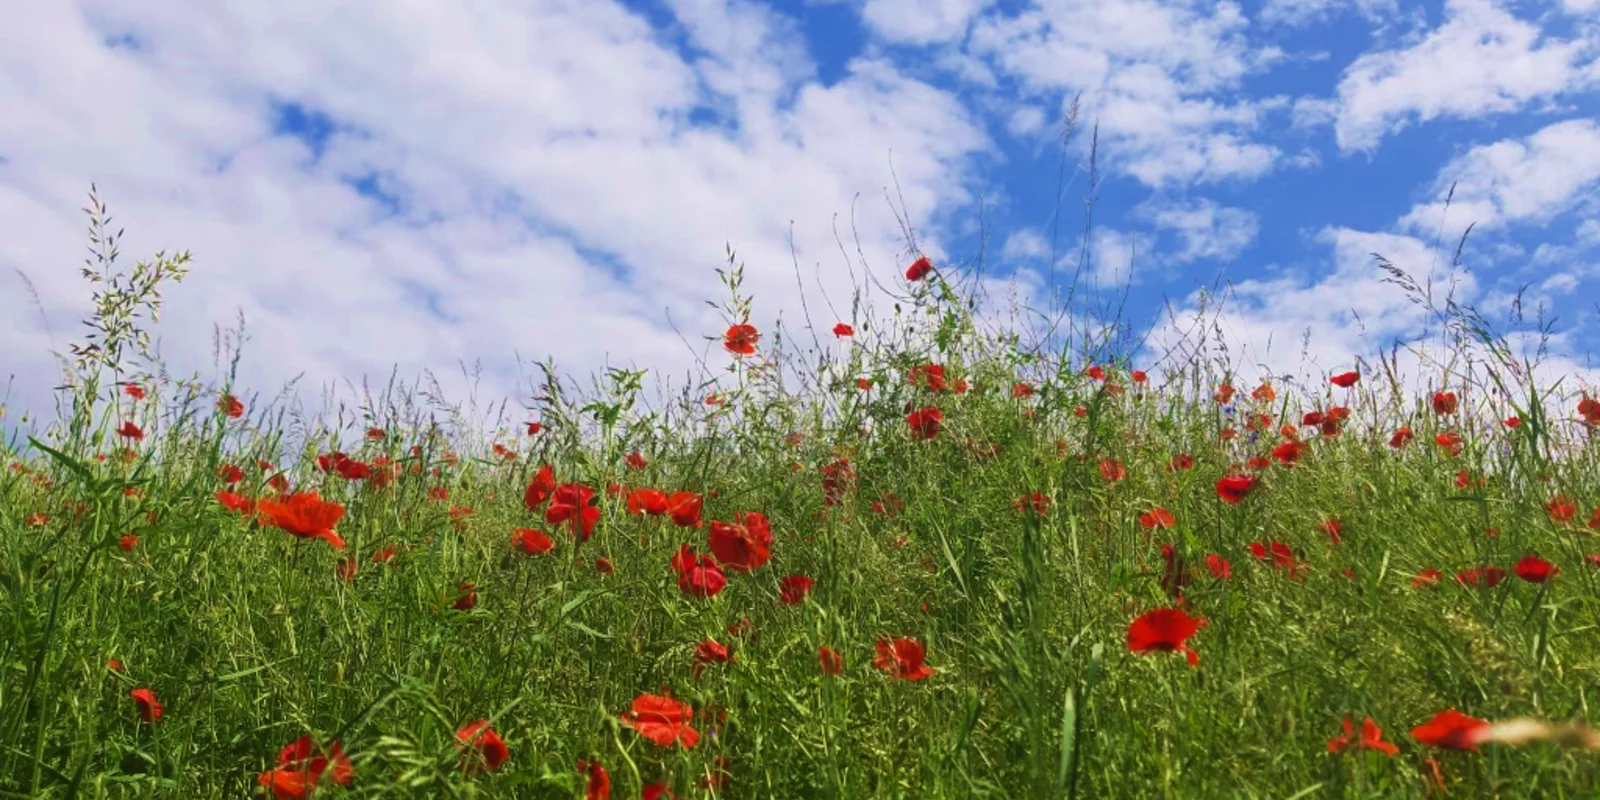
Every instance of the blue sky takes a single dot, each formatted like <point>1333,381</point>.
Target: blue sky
<point>433,187</point>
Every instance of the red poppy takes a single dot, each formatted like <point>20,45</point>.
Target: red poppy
<point>279,482</point>
<point>1157,517</point>
<point>1451,730</point>
<point>1181,462</point>
<point>1513,422</point>
<point>1371,738</point>
<point>1333,528</point>
<point>902,658</point>
<point>842,330</point>
<point>1427,577</point>
<point>128,542</point>
<point>1534,569</point>
<point>794,588</point>
<point>603,566</point>
<point>832,662</point>
<point>1589,410</point>
<point>698,575</point>
<point>1112,470</point>
<point>575,503</point>
<point>1264,393</point>
<point>662,720</point>
<point>1444,402</point>
<point>709,652</point>
<point>684,508</point>
<point>1021,390</point>
<point>1219,567</point>
<point>1288,453</point>
<point>534,428</point>
<point>1036,502</point>
<point>1401,438</point>
<point>305,515</point>
<point>440,493</point>
<point>1233,488</point>
<point>919,269</point>
<point>230,474</point>
<point>1561,510</point>
<point>1164,630</point>
<point>236,503</point>
<point>383,555</point>
<point>301,767</point>
<point>1139,376</point>
<point>741,339</point>
<point>231,406</point>
<point>1451,442</point>
<point>598,786</point>
<point>531,542</point>
<point>657,791</point>
<point>1481,576</point>
<point>927,376</point>
<point>490,749</point>
<point>925,422</point>
<point>466,597</point>
<point>1594,519</point>
<point>134,391</point>
<point>635,460</point>
<point>145,701</point>
<point>647,501</point>
<point>863,384</point>
<point>130,431</point>
<point>743,545</point>
<point>1345,380</point>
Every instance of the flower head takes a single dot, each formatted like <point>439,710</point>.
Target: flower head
<point>1164,630</point>
<point>902,657</point>
<point>304,515</point>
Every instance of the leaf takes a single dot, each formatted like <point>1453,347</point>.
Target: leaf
<point>73,465</point>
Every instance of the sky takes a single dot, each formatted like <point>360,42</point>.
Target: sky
<point>458,189</point>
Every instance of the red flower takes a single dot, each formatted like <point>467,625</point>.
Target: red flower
<point>114,665</point>
<point>279,482</point>
<point>925,422</point>
<point>540,488</point>
<point>1450,441</point>
<point>383,556</point>
<point>236,503</point>
<point>1157,517</point>
<point>467,599</point>
<point>1233,488</point>
<point>300,769</point>
<point>1224,394</point>
<point>534,428</point>
<point>145,701</point>
<point>635,460</point>
<point>1450,730</point>
<point>1139,376</point>
<point>741,339</point>
<point>743,545</point>
<point>231,406</point>
<point>230,474</point>
<point>1481,576</point>
<point>928,376</point>
<point>662,720</point>
<point>1164,630</point>
<point>832,662</point>
<point>1021,390</point>
<point>698,575</point>
<point>305,515</point>
<point>128,542</point>
<point>574,502</point>
<point>531,542</point>
<point>1534,569</point>
<point>1036,502</point>
<point>130,431</point>
<point>1096,372</point>
<point>1345,380</point>
<point>902,658</point>
<point>1288,453</point>
<point>440,493</point>
<point>863,384</point>
<point>134,391</point>
<point>1333,528</point>
<point>1444,402</point>
<point>919,269</point>
<point>1401,438</point>
<point>647,501</point>
<point>1180,462</point>
<point>1589,410</point>
<point>1513,422</point>
<point>710,652</point>
<point>684,507</point>
<point>1427,577</point>
<point>842,330</point>
<point>1594,519</point>
<point>1112,470</point>
<point>1561,510</point>
<point>603,566</point>
<point>793,589</point>
<point>490,749</point>
<point>1371,739</point>
<point>1219,566</point>
<point>599,785</point>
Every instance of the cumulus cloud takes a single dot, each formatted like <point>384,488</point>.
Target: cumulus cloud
<point>921,21</point>
<point>1515,180</point>
<point>1206,229</point>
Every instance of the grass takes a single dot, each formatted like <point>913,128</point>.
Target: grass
<point>250,637</point>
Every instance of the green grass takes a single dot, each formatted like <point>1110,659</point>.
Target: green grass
<point>250,638</point>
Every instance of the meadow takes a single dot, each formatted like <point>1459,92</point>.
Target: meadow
<point>917,555</point>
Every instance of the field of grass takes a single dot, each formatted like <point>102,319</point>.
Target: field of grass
<point>927,561</point>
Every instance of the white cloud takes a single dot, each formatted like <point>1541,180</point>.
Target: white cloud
<point>921,21</point>
<point>1515,180</point>
<point>1206,229</point>
<point>554,197</point>
<point>1025,244</point>
<point>1481,61</point>
<point>1305,12</point>
<point>1025,121</point>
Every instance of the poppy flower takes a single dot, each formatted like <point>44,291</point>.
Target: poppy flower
<point>130,431</point>
<point>1427,577</point>
<point>598,786</point>
<point>236,503</point>
<point>842,330</point>
<point>1444,403</point>
<point>603,566</point>
<point>490,749</point>
<point>647,501</point>
<point>927,376</point>
<point>1334,528</point>
<point>145,701</point>
<point>1594,519</point>
<point>1036,502</point>
<point>699,576</point>
<point>662,720</point>
<point>1589,410</point>
<point>1164,630</point>
<point>1021,390</point>
<point>1513,422</point>
<point>919,269</point>
<point>575,503</point>
<point>1157,517</point>
<point>925,422</point>
<point>134,391</point>
<point>902,658</point>
<point>1371,738</point>
<point>304,515</point>
<point>1534,569</point>
<point>1180,462</point>
<point>1139,376</point>
<point>793,589</point>
<point>382,556</point>
<point>709,652</point>
<point>534,428</point>
<point>635,460</point>
<point>1450,730</point>
<point>1288,453</point>
<point>741,339</point>
<point>1219,567</point>
<point>1282,555</point>
<point>1264,393</point>
<point>301,768</point>
<point>742,545</point>
<point>1561,510</point>
<point>684,508</point>
<point>1112,470</point>
<point>863,384</point>
<point>1257,463</point>
<point>1451,442</point>
<point>466,597</point>
<point>229,474</point>
<point>440,493</point>
<point>231,406</point>
<point>531,542</point>
<point>128,542</point>
<point>832,662</point>
<point>1233,488</point>
<point>1401,438</point>
<point>1481,576</point>
<point>1345,380</point>
<point>1224,394</point>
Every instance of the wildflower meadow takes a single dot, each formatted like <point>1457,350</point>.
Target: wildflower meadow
<point>912,554</point>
